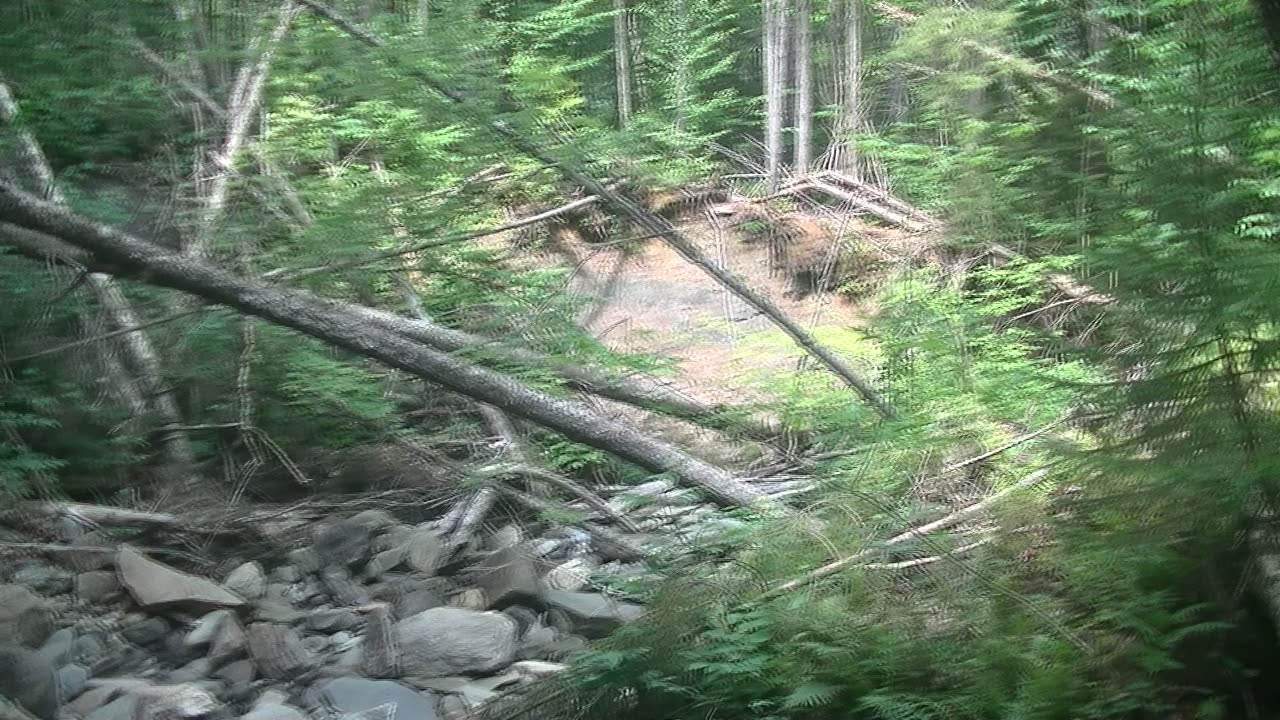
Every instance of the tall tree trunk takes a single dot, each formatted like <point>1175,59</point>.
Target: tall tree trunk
<point>241,108</point>
<point>422,15</point>
<point>622,59</point>
<point>803,59</point>
<point>851,119</point>
<point>141,356</point>
<point>775,88</point>
<point>899,101</point>
<point>336,323</point>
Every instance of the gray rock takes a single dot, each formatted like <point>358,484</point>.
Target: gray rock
<point>57,648</point>
<point>25,618</point>
<point>508,575</point>
<point>286,574</point>
<point>453,707</point>
<point>155,585</point>
<point>97,586</point>
<point>375,520</point>
<point>275,712</point>
<point>341,640</point>
<point>172,702</point>
<point>384,562</point>
<point>237,672</point>
<point>269,611</point>
<point>349,542</point>
<point>207,627</point>
<point>12,711</point>
<point>424,551</point>
<point>470,599</point>
<point>570,575</point>
<point>148,632</point>
<point>315,644</point>
<point>122,708</point>
<point>450,641</point>
<point>278,651</point>
<point>504,537</point>
<point>89,558</point>
<point>393,537</point>
<point>269,697</point>
<point>347,695</point>
<point>344,590</point>
<point>45,579</point>
<point>305,559</point>
<point>331,621</point>
<point>523,616</point>
<point>194,671</point>
<point>539,643</point>
<point>247,581</point>
<point>72,680</point>
<point>27,677</point>
<point>592,614</point>
<point>229,640</point>
<point>87,649</point>
<point>530,670</point>
<point>417,601</point>
<point>380,657</point>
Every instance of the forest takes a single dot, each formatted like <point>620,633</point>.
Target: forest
<point>639,359</point>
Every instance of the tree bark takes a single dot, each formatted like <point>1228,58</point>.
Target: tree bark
<point>139,353</point>
<point>804,87</point>
<point>622,60</point>
<point>335,323</point>
<point>648,221</point>
<point>775,67</point>
<point>851,120</point>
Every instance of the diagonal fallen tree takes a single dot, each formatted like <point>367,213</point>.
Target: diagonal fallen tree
<point>336,323</point>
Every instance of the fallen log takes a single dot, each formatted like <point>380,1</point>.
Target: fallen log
<point>336,323</point>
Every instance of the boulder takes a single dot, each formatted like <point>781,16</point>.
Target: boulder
<point>237,672</point>
<point>146,631</point>
<point>286,574</point>
<point>155,585</point>
<point>275,712</point>
<point>424,551</point>
<point>331,621</point>
<point>343,589</point>
<point>72,680</point>
<point>592,614</point>
<point>348,695</point>
<point>11,711</point>
<point>27,677</point>
<point>531,670</point>
<point>570,575</point>
<point>25,618</point>
<point>278,651</point>
<point>173,702</point>
<point>380,657</point>
<point>393,537</point>
<point>97,586</point>
<point>470,599</point>
<point>384,562</point>
<point>504,537</point>
<point>44,579</point>
<point>417,601</point>
<point>507,576</point>
<point>451,641</point>
<point>57,648</point>
<point>247,581</point>
<point>305,560</point>
<point>93,557</point>
<point>349,542</point>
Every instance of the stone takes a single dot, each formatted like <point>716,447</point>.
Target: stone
<point>375,520</point>
<point>229,640</point>
<point>348,695</point>
<point>417,601</point>
<point>424,551</point>
<point>275,712</point>
<point>237,672</point>
<point>380,657</point>
<point>57,648</point>
<point>97,586</point>
<point>277,650</point>
<point>523,616</point>
<point>286,574</point>
<point>305,559</point>
<point>172,702</point>
<point>531,670</point>
<point>347,542</point>
<point>504,537</point>
<point>44,579</point>
<point>27,677</point>
<point>592,614</point>
<point>570,575</point>
<point>453,707</point>
<point>72,680</point>
<point>470,599</point>
<point>343,589</point>
<point>538,643</point>
<point>331,621</point>
<point>148,632</point>
<point>155,585</point>
<point>507,576</point>
<point>25,618</point>
<point>451,641</point>
<point>247,581</point>
<point>122,708</point>
<point>92,557</point>
<point>207,627</point>
<point>393,537</point>
<point>384,562</point>
<point>271,696</point>
<point>269,611</point>
<point>194,671</point>
<point>12,711</point>
<point>474,693</point>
